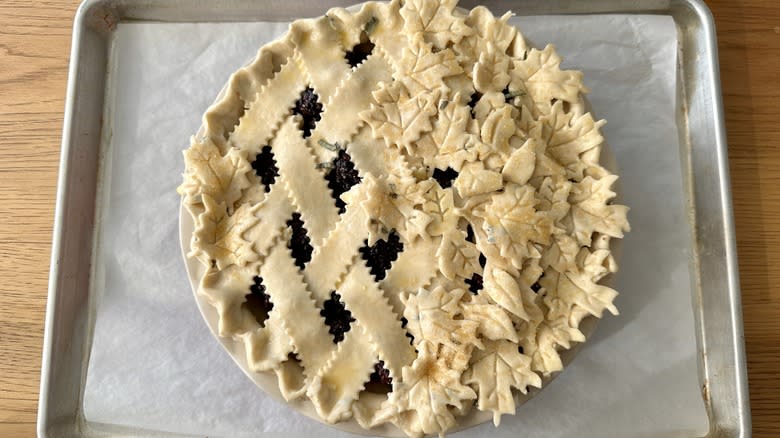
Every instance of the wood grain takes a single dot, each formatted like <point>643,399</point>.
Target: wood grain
<point>749,44</point>
<point>34,50</point>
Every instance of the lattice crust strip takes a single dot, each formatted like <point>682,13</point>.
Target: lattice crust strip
<point>413,270</point>
<point>269,109</point>
<point>293,301</point>
<point>476,220</point>
<point>337,385</point>
<point>321,55</point>
<point>340,120</point>
<point>332,259</point>
<point>305,186</point>
<point>383,328</point>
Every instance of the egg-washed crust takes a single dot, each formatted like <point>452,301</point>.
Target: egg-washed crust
<point>519,206</point>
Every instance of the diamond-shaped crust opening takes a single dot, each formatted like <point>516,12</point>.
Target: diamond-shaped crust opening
<point>257,302</point>
<point>309,109</point>
<point>496,259</point>
<point>337,317</point>
<point>265,167</point>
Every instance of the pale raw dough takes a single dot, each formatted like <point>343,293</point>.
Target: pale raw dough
<point>442,89</point>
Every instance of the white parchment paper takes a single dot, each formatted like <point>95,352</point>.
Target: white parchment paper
<point>155,365</point>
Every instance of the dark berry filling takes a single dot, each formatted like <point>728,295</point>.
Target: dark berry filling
<point>474,100</point>
<point>258,302</point>
<point>380,381</point>
<point>309,109</point>
<point>470,234</point>
<point>381,374</point>
<point>445,177</point>
<point>381,255</point>
<point>536,287</point>
<point>265,167</point>
<point>342,177</point>
<point>475,283</point>
<point>360,52</point>
<point>508,97</point>
<point>482,260</point>
<point>299,243</point>
<point>337,317</point>
<point>404,322</point>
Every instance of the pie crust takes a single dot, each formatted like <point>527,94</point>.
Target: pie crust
<point>469,247</point>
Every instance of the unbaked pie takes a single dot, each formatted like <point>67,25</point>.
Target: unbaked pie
<point>401,213</point>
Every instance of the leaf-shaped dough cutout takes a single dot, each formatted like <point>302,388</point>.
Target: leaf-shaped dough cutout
<point>505,291</point>
<point>218,237</point>
<point>495,371</point>
<point>511,221</point>
<point>457,257</point>
<point>560,255</point>
<point>399,117</point>
<point>431,316</point>
<point>496,30</point>
<point>209,173</point>
<point>498,127</point>
<point>521,164</point>
<point>435,20</point>
<point>597,262</point>
<point>559,320</point>
<point>491,72</point>
<point>580,289</point>
<point>494,323</point>
<point>570,138</point>
<point>420,402</point>
<point>544,79</point>
<point>441,208</point>
<point>544,353</point>
<point>416,225</point>
<point>554,197</point>
<point>474,180</point>
<point>455,135</point>
<point>423,70</point>
<point>591,213</point>
<point>452,132</point>
<point>488,29</point>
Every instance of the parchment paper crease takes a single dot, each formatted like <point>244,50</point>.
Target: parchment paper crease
<point>154,363</point>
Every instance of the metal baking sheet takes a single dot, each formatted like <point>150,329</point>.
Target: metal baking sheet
<point>703,152</point>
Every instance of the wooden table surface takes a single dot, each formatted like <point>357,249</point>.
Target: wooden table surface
<point>34,51</point>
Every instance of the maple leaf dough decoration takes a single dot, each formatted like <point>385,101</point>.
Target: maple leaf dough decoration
<point>435,21</point>
<point>487,30</point>
<point>511,222</point>
<point>431,317</point>
<point>494,322</point>
<point>541,75</point>
<point>218,237</point>
<point>439,89</point>
<point>491,73</point>
<point>590,211</point>
<point>440,205</point>
<point>495,371</point>
<point>399,117</point>
<point>454,139</point>
<point>209,173</point>
<point>423,70</point>
<point>421,402</point>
